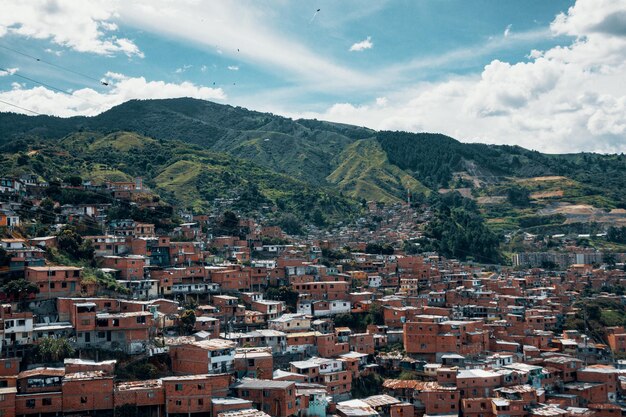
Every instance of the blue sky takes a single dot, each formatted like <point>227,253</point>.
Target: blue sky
<point>384,64</point>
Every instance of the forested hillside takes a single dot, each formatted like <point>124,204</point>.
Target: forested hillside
<point>179,173</point>
<point>512,187</point>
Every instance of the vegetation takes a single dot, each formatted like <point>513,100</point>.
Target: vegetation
<point>360,321</point>
<point>141,370</point>
<point>181,174</point>
<point>104,280</point>
<point>367,385</point>
<point>459,231</point>
<point>19,289</point>
<point>518,196</point>
<point>50,349</point>
<point>595,315</point>
<point>197,154</point>
<point>74,245</point>
<point>187,321</point>
<point>376,248</point>
<point>286,294</point>
<point>616,234</point>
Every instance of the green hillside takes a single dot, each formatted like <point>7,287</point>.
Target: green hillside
<point>364,171</point>
<point>282,155</point>
<point>179,173</point>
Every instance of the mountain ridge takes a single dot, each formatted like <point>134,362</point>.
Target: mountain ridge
<point>356,162</point>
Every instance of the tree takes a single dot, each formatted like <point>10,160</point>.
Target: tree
<point>518,196</point>
<point>19,289</point>
<point>229,220</point>
<point>616,234</point>
<point>46,211</point>
<point>73,244</point>
<point>54,350</point>
<point>187,321</point>
<point>318,218</point>
<point>609,259</point>
<point>74,180</point>
<point>377,248</point>
<point>290,224</point>
<point>286,294</point>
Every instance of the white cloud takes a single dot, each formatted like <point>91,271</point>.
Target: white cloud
<point>182,69</point>
<point>362,45</point>
<point>507,30</point>
<point>9,71</point>
<point>54,51</point>
<point>204,68</point>
<point>89,102</point>
<point>84,25</point>
<point>564,99</point>
<point>382,101</point>
<point>233,68</point>
<point>247,30</point>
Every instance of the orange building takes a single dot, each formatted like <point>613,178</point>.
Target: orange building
<point>276,398</point>
<point>55,281</point>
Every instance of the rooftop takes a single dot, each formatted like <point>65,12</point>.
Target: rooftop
<point>250,383</point>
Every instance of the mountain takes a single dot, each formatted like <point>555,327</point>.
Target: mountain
<point>177,172</point>
<point>514,187</point>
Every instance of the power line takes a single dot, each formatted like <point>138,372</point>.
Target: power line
<point>57,89</point>
<point>21,108</point>
<point>15,74</point>
<point>53,64</point>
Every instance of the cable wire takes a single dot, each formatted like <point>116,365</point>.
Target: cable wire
<point>21,108</point>
<point>53,64</point>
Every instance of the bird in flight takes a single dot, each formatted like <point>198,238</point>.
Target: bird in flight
<point>314,14</point>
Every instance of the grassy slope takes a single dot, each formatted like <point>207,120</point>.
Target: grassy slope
<point>364,172</point>
<point>180,173</point>
<point>316,153</point>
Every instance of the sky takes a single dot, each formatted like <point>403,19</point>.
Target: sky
<point>545,75</point>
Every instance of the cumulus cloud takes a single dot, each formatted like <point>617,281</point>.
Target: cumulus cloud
<point>8,71</point>
<point>84,26</point>
<point>233,68</point>
<point>90,102</point>
<point>362,45</point>
<point>564,99</point>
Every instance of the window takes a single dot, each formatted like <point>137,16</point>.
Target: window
<point>64,285</point>
<point>289,405</point>
<point>141,319</point>
<point>266,393</point>
<point>200,386</point>
<point>83,400</point>
<point>200,401</point>
<point>179,387</point>
<point>46,401</point>
<point>179,402</point>
<point>30,403</point>
<point>151,395</point>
